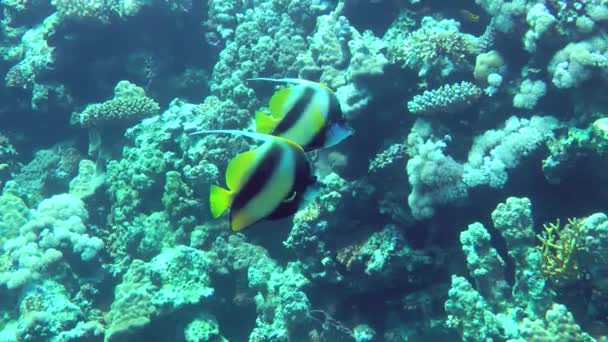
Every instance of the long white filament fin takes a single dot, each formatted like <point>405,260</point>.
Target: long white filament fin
<point>283,80</point>
<point>252,135</point>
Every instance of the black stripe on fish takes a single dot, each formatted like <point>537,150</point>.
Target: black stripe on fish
<point>335,115</point>
<point>303,179</point>
<point>259,177</point>
<point>296,111</point>
<point>335,112</point>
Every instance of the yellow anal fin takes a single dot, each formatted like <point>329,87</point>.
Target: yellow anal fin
<point>220,200</point>
<point>238,168</point>
<point>264,123</point>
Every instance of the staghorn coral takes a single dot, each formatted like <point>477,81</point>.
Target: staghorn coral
<point>559,246</point>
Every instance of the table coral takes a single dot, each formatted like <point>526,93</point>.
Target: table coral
<point>128,105</point>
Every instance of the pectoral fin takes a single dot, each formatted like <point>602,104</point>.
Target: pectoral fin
<point>336,133</point>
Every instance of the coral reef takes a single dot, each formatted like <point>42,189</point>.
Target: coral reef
<point>458,109</point>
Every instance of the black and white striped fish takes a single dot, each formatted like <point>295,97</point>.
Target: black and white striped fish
<point>268,182</point>
<point>307,113</point>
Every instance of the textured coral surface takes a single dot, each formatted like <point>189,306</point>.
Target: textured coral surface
<point>469,204</point>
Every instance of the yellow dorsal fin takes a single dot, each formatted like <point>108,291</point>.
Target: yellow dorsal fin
<point>277,102</point>
<point>326,87</point>
<point>264,123</point>
<point>220,200</point>
<point>237,168</point>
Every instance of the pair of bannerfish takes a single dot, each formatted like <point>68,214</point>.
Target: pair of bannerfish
<point>271,181</point>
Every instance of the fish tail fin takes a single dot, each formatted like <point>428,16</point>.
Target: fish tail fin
<point>264,123</point>
<point>220,200</point>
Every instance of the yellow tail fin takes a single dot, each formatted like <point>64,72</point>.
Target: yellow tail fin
<point>220,200</point>
<point>264,123</point>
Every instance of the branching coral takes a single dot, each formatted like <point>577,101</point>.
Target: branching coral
<point>558,247</point>
<point>528,311</point>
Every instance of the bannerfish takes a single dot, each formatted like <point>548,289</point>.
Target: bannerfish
<point>469,16</point>
<point>266,183</point>
<point>307,113</point>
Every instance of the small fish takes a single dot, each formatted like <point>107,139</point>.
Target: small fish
<point>268,182</point>
<point>307,113</point>
<point>469,16</point>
